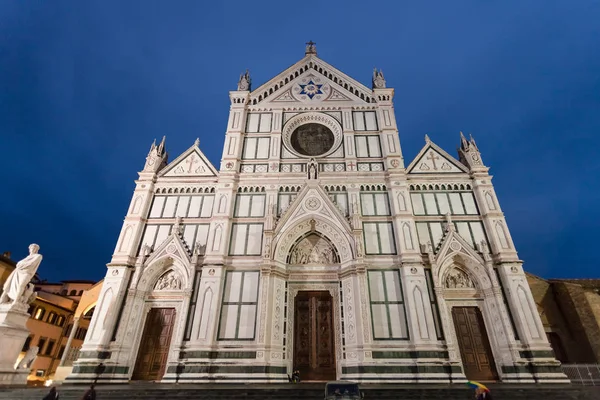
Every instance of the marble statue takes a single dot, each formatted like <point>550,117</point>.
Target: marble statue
<point>312,169</point>
<point>15,286</point>
<point>28,358</point>
<point>378,79</point>
<point>245,82</point>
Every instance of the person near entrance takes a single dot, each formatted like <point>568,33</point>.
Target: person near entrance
<point>483,394</point>
<point>90,394</point>
<point>52,395</point>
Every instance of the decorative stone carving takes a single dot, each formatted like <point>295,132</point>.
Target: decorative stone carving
<point>312,203</point>
<point>28,358</point>
<point>245,83</point>
<point>169,281</point>
<point>413,270</point>
<point>146,250</point>
<point>313,117</point>
<point>16,285</point>
<point>458,279</point>
<point>199,249</point>
<point>378,79</point>
<point>514,269</point>
<point>349,311</point>
<point>313,249</point>
<point>312,169</point>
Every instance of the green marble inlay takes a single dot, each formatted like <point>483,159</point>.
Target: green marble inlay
<point>402,369</point>
<point>410,354</point>
<point>531,368</point>
<point>226,369</point>
<point>95,355</point>
<point>217,354</point>
<point>536,354</point>
<point>91,369</point>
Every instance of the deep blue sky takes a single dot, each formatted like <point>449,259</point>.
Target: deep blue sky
<point>86,86</point>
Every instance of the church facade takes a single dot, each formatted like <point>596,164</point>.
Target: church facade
<point>315,247</point>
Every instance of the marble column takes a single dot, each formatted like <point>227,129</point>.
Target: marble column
<point>69,340</point>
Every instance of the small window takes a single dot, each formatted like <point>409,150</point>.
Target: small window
<point>63,292</point>
<point>365,121</point>
<point>68,331</point>
<point>246,239</point>
<point>367,146</point>
<point>39,314</point>
<point>256,148</point>
<point>258,122</point>
<point>73,293</point>
<point>250,205</point>
<point>40,373</point>
<point>50,348</point>
<point>60,321</point>
<point>51,318</point>
<point>41,344</point>
<point>80,293</point>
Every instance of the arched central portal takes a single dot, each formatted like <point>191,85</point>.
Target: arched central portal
<point>314,349</point>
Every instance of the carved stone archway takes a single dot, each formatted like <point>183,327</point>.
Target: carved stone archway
<point>462,281</point>
<point>313,248</point>
<point>286,240</point>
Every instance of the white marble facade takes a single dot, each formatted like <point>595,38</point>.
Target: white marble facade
<point>313,193</point>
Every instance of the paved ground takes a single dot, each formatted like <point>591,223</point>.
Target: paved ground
<point>305,391</point>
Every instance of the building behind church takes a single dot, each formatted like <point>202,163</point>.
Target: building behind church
<point>315,247</point>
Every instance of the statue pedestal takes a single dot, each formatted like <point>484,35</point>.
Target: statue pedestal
<point>13,333</point>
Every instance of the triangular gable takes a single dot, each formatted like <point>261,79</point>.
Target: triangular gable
<point>173,246</point>
<point>191,162</point>
<point>312,199</point>
<point>294,84</point>
<point>432,159</point>
<point>452,242</point>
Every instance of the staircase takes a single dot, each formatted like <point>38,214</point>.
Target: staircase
<point>149,391</point>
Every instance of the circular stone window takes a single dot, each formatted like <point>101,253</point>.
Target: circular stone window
<point>312,139</point>
<point>312,134</point>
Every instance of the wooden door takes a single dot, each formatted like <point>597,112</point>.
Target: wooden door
<point>314,350</point>
<point>475,349</point>
<point>154,347</point>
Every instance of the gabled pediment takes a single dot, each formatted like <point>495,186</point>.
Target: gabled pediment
<point>312,199</point>
<point>432,159</point>
<point>172,246</point>
<point>452,243</point>
<point>311,81</point>
<point>191,162</point>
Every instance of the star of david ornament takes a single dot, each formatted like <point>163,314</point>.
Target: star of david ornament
<point>311,89</point>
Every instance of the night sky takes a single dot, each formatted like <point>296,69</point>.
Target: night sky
<point>86,86</point>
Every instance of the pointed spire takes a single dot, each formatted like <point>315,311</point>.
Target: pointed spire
<point>157,156</point>
<point>463,142</point>
<point>473,142</point>
<point>311,48</point>
<point>197,142</point>
<point>427,140</point>
<point>378,79</point>
<point>161,146</point>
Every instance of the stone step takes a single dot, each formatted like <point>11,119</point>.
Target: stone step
<point>304,392</point>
